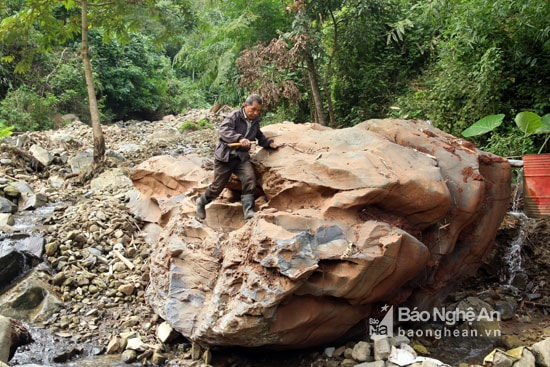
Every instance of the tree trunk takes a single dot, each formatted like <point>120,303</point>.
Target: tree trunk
<point>328,73</point>
<point>332,118</point>
<point>315,91</point>
<point>99,141</point>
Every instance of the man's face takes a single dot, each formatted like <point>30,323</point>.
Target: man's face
<point>253,111</point>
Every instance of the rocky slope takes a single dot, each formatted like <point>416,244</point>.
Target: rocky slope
<point>95,254</point>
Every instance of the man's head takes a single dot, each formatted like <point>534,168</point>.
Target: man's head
<point>253,106</point>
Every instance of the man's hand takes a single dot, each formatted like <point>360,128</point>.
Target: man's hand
<point>274,145</point>
<point>245,143</point>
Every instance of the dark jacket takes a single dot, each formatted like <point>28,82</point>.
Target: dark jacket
<point>233,129</point>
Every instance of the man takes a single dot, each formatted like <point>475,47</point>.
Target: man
<point>242,127</point>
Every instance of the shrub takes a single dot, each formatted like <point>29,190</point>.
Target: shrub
<point>28,111</point>
<point>187,126</point>
<point>283,112</point>
<point>132,77</point>
<point>515,141</point>
<point>183,94</point>
<point>68,84</point>
<point>5,130</point>
<point>194,126</point>
<point>204,124</point>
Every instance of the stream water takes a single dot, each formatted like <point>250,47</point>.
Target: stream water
<point>513,258</point>
<point>48,348</point>
<point>28,221</point>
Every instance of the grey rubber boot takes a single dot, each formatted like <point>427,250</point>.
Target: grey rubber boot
<point>200,211</point>
<point>248,206</point>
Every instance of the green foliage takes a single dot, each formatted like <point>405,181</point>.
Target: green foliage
<point>183,94</point>
<point>207,55</point>
<point>187,126</point>
<point>509,144</point>
<point>448,61</point>
<point>5,130</point>
<point>530,123</point>
<point>34,28</point>
<point>195,125</point>
<point>132,77</point>
<point>28,111</point>
<point>7,76</point>
<point>133,80</point>
<point>517,141</point>
<point>132,83</point>
<point>486,124</point>
<point>488,56</point>
<point>368,71</point>
<point>284,112</point>
<point>204,124</point>
<point>66,81</point>
<point>453,92</point>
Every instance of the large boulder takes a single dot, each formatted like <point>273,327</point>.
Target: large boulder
<point>387,211</point>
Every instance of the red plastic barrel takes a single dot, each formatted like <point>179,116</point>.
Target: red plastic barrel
<point>536,185</point>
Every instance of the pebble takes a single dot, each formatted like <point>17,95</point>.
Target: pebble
<point>127,289</point>
<point>129,356</point>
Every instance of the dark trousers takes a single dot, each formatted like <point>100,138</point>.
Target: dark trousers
<point>222,173</point>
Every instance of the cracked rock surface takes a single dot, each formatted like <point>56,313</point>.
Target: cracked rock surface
<point>387,211</point>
